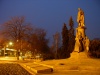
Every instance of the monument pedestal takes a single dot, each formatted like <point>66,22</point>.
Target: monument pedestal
<point>79,57</point>
<point>76,55</point>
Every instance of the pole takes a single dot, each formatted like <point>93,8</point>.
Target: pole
<point>4,50</point>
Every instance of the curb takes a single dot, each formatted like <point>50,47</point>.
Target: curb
<point>37,69</point>
<point>44,65</point>
<point>28,69</point>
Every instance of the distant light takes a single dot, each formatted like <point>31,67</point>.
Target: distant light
<point>10,43</point>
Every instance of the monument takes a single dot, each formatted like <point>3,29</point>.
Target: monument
<point>81,40</point>
<point>79,63</point>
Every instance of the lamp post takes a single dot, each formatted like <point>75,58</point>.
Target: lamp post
<point>10,43</point>
<point>4,50</point>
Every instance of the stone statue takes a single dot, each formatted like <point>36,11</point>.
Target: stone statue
<point>77,45</point>
<point>80,17</point>
<point>81,40</point>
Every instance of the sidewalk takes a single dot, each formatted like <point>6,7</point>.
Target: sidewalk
<point>36,67</point>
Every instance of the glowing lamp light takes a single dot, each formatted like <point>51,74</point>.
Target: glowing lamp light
<point>10,43</point>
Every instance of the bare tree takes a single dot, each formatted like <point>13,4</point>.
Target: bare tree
<point>56,37</point>
<point>16,29</point>
<point>38,39</point>
<point>25,36</point>
<point>39,42</point>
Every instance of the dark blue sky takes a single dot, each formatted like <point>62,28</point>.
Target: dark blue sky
<point>51,14</point>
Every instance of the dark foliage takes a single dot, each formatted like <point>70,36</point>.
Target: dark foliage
<point>48,56</point>
<point>71,35</point>
<point>65,39</point>
<point>68,40</point>
<point>95,48</point>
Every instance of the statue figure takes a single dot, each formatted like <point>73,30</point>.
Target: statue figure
<point>77,45</point>
<point>80,17</point>
<point>81,41</point>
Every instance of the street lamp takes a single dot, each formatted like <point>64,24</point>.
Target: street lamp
<point>10,43</point>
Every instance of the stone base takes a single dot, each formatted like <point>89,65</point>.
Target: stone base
<point>81,55</point>
<point>78,58</point>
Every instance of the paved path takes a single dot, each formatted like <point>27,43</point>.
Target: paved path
<point>29,65</point>
<point>64,66</point>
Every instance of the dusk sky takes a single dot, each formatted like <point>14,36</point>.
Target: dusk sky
<point>52,14</point>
